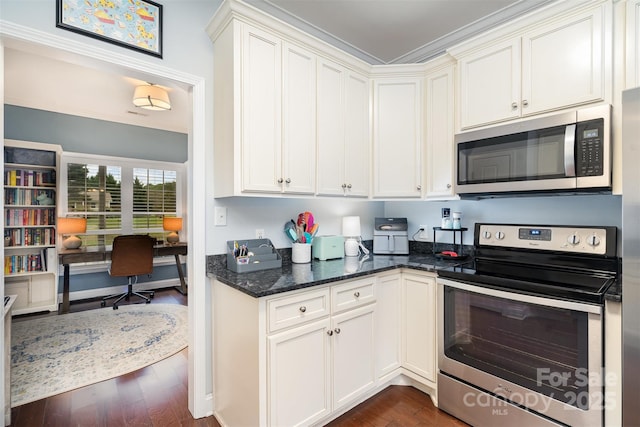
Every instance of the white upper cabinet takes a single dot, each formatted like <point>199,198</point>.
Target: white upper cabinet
<point>548,66</point>
<point>261,104</point>
<point>439,132</point>
<point>343,131</point>
<point>264,114</point>
<point>299,120</point>
<point>397,137</point>
<point>633,44</point>
<point>490,85</point>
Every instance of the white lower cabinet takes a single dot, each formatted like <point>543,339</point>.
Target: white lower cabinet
<point>388,326</point>
<point>299,362</point>
<point>303,357</point>
<point>419,325</point>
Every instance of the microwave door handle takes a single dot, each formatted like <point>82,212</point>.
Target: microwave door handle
<point>569,150</point>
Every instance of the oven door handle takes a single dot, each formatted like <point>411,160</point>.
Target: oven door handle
<point>530,299</point>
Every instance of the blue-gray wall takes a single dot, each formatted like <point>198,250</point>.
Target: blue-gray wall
<point>83,135</point>
<point>91,136</point>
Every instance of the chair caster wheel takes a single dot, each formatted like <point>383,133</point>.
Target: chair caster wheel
<point>152,295</point>
<point>115,307</point>
<point>103,304</point>
<point>148,302</point>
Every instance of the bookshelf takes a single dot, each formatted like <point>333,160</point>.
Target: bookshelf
<point>30,198</point>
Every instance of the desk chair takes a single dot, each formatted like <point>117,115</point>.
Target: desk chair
<point>131,255</point>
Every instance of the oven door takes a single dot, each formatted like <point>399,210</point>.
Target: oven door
<point>501,352</point>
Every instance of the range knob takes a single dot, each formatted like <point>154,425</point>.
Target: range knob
<point>499,235</point>
<point>486,234</point>
<point>593,240</point>
<point>573,239</point>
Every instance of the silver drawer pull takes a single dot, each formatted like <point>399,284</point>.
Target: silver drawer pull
<point>337,330</point>
<point>303,309</point>
<point>329,332</point>
<point>356,294</point>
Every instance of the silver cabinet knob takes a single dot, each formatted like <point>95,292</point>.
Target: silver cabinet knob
<point>349,186</point>
<point>303,309</point>
<point>356,294</point>
<point>329,332</point>
<point>418,187</point>
<point>344,186</point>
<point>280,181</point>
<point>448,185</point>
<point>288,181</point>
<point>337,330</point>
<point>525,103</point>
<point>514,105</point>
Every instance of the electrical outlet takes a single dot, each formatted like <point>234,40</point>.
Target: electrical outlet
<point>220,216</point>
<point>423,235</point>
<point>259,233</point>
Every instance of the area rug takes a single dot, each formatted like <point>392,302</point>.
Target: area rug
<point>55,354</point>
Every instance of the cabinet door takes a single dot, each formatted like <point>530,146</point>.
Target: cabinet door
<point>353,346</point>
<point>632,54</point>
<point>357,141</point>
<point>20,288</point>
<point>490,85</point>
<point>299,375</point>
<point>419,325</point>
<point>563,63</point>
<point>397,138</point>
<point>299,120</point>
<point>43,291</point>
<point>331,128</point>
<point>261,110</point>
<point>439,114</point>
<point>388,325</point>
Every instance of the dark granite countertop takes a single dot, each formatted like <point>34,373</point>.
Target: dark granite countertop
<point>297,276</point>
<point>291,276</point>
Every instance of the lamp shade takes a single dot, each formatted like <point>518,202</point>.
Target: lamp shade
<point>151,97</point>
<point>69,227</point>
<point>72,225</point>
<point>351,226</point>
<point>172,224</point>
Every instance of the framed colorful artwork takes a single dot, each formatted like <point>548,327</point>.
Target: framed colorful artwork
<point>134,24</point>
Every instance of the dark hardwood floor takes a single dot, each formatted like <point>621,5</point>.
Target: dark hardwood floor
<point>157,396</point>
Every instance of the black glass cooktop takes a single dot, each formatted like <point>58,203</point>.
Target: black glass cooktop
<point>569,278</point>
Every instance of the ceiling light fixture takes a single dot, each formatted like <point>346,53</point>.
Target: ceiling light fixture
<point>151,97</point>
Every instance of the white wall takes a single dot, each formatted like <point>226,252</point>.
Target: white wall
<point>246,214</point>
<point>547,210</point>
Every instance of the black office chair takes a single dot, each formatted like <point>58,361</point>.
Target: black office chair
<point>131,255</point>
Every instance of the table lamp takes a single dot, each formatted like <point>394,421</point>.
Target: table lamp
<point>351,233</point>
<point>70,227</point>
<point>172,224</point>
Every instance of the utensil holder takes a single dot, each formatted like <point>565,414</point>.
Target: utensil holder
<point>300,253</point>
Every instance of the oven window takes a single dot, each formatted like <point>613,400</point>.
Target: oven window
<point>519,157</point>
<point>544,349</point>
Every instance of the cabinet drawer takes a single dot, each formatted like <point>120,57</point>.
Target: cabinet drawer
<point>297,309</point>
<point>352,294</point>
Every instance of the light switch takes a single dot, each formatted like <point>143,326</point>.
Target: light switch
<point>220,213</point>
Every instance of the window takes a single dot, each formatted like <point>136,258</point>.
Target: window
<point>119,196</point>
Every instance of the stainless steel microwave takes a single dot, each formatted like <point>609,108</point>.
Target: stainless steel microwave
<point>566,152</point>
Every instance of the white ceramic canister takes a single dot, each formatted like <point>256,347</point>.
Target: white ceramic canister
<point>300,253</point>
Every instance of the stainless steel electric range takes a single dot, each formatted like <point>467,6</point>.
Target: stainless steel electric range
<point>521,326</point>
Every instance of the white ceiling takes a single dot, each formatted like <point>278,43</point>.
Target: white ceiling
<point>395,31</point>
<point>377,31</point>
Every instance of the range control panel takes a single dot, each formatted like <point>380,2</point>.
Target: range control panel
<point>591,240</point>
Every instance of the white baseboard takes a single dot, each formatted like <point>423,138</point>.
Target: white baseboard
<point>103,292</point>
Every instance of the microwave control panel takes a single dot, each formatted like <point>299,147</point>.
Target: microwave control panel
<point>589,148</point>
